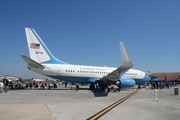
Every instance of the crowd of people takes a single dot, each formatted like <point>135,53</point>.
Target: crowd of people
<point>5,84</point>
<point>13,85</point>
<point>161,85</point>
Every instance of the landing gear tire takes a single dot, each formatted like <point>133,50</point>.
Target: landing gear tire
<point>119,86</point>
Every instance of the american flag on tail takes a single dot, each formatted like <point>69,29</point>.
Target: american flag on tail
<point>34,45</point>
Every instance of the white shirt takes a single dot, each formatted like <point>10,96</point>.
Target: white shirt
<point>1,85</point>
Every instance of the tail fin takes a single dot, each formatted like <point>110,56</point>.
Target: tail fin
<point>38,50</point>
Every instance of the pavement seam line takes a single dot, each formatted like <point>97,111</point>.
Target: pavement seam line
<point>50,112</point>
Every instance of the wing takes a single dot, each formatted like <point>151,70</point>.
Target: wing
<point>114,76</point>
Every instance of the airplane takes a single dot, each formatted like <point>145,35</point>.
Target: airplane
<point>42,61</point>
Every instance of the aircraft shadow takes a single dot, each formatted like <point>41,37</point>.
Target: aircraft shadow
<point>100,94</point>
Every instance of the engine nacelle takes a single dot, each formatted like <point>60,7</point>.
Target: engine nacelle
<point>127,82</point>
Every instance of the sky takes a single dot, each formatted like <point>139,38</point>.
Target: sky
<point>87,32</point>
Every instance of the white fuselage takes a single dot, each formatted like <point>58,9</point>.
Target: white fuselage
<point>84,71</point>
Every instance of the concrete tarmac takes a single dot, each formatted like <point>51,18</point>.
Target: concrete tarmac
<point>66,104</point>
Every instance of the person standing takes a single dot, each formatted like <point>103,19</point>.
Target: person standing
<point>1,86</point>
<point>6,84</point>
<point>105,88</point>
<point>77,86</point>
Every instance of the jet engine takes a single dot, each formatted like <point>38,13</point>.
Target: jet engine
<point>127,82</point>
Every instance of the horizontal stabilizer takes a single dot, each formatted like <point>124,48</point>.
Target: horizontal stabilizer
<point>31,62</point>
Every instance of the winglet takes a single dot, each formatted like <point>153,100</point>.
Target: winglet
<point>125,58</point>
<point>114,76</point>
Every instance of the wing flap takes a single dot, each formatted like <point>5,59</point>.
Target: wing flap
<point>114,76</point>
<point>32,62</point>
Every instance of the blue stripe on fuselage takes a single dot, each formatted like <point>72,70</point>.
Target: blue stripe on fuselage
<point>75,79</point>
